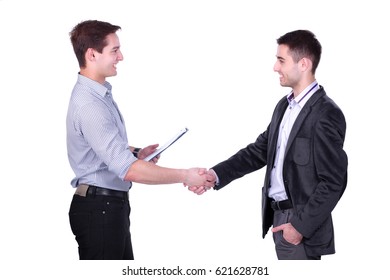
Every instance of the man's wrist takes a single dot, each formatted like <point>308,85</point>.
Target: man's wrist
<point>136,152</point>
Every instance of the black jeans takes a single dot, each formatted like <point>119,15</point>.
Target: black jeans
<point>101,225</point>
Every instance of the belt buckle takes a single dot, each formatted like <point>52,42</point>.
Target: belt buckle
<point>275,204</point>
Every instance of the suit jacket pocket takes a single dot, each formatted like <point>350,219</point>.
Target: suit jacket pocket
<point>301,154</point>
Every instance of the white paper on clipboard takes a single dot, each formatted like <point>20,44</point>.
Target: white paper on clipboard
<point>166,145</point>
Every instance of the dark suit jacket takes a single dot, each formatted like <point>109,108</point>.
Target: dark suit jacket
<point>314,170</point>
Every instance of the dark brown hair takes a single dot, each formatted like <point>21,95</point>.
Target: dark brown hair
<point>302,43</point>
<point>90,34</point>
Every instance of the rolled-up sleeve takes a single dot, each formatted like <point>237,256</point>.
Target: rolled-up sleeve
<point>100,129</point>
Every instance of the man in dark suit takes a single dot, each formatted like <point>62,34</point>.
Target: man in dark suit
<point>302,148</point>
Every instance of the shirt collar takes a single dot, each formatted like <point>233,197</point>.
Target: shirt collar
<point>100,89</point>
<point>302,98</point>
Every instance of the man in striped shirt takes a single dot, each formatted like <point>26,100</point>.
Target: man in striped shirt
<point>103,162</point>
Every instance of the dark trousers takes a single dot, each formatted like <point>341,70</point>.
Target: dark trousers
<point>284,249</point>
<point>101,225</point>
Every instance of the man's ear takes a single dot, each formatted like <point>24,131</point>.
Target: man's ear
<point>90,54</point>
<point>305,64</point>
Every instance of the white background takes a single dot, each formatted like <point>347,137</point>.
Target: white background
<point>205,65</point>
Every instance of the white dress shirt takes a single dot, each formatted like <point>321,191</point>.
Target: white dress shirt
<point>277,189</point>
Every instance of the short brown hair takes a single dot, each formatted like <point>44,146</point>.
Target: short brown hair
<point>302,43</point>
<point>90,34</point>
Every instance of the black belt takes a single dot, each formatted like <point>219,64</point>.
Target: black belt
<point>93,190</point>
<point>281,205</point>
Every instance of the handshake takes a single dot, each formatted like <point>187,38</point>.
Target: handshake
<point>200,180</point>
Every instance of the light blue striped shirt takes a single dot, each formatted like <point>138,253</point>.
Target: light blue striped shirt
<point>98,149</point>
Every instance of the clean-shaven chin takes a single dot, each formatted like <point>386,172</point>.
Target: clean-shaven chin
<point>114,72</point>
<point>282,81</point>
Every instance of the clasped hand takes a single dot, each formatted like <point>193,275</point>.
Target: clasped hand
<point>198,180</point>
<point>210,180</point>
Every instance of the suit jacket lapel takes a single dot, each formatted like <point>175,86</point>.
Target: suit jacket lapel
<point>273,135</point>
<point>302,116</point>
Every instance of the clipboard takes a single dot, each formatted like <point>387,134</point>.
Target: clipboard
<point>167,144</point>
